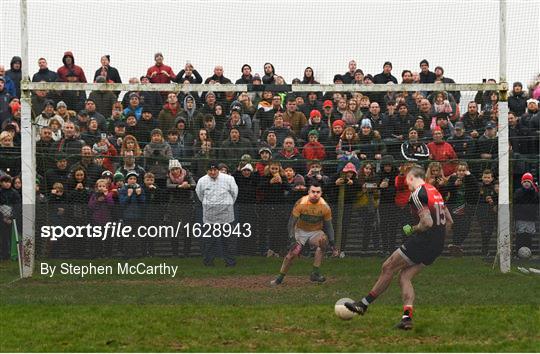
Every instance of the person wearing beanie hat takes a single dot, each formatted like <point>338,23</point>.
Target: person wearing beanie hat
<point>246,77</point>
<point>131,174</point>
<point>157,154</point>
<point>132,203</point>
<point>338,79</point>
<point>174,163</point>
<point>313,149</point>
<point>44,119</point>
<point>525,203</point>
<point>365,123</point>
<point>217,192</point>
<point>439,76</point>
<point>247,180</point>
<point>180,185</point>
<point>517,100</point>
<point>118,176</point>
<point>247,167</point>
<point>386,75</point>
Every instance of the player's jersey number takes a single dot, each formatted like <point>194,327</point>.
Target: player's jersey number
<point>439,211</point>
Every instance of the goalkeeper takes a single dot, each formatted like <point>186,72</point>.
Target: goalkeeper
<point>310,223</point>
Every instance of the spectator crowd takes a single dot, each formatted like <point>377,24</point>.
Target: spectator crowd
<point>139,157</point>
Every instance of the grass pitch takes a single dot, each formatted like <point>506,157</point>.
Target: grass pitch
<point>462,305</point>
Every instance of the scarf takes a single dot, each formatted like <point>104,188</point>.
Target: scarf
<point>179,179</point>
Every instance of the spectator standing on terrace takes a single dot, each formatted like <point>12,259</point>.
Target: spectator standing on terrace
<point>517,101</point>
<point>426,76</point>
<point>69,66</point>
<point>189,73</point>
<point>44,74</point>
<point>269,74</point>
<point>348,77</point>
<point>160,73</point>
<point>110,74</point>
<point>246,77</point>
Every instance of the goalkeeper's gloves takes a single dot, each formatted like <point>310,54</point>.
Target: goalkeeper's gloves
<point>407,230</point>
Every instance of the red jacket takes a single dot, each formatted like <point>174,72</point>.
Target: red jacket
<point>64,70</point>
<point>402,191</point>
<point>160,78</point>
<point>443,152</point>
<point>314,151</point>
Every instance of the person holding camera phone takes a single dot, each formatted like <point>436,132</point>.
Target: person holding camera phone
<point>368,204</point>
<point>347,178</point>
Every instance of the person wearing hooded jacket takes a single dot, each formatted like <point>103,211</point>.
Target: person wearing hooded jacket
<point>15,74</point>
<point>517,100</point>
<point>5,99</point>
<point>190,114</point>
<point>69,66</point>
<point>9,85</point>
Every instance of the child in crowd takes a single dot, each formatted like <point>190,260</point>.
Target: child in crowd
<point>487,209</point>
<point>101,206</point>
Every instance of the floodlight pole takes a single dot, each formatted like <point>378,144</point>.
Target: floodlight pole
<point>28,157</point>
<point>503,234</point>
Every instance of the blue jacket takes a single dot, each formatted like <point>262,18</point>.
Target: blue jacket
<point>132,206</point>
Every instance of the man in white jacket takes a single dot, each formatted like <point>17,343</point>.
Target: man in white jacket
<point>217,192</point>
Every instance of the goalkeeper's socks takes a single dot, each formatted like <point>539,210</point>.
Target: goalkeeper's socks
<point>280,277</point>
<point>316,270</point>
<point>369,298</point>
<point>407,311</point>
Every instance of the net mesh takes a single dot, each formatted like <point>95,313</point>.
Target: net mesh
<point>200,131</point>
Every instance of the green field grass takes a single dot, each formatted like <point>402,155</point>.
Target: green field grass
<point>462,305</point>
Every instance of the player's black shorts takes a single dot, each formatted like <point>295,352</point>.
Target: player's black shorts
<point>423,249</point>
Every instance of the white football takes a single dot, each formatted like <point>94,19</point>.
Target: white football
<point>524,252</point>
<point>341,311</point>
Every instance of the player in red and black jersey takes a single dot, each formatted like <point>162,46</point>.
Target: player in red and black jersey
<point>424,244</point>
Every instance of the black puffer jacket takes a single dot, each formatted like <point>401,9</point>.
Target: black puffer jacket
<point>526,204</point>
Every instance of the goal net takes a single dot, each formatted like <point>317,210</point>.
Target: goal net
<point>123,171</point>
